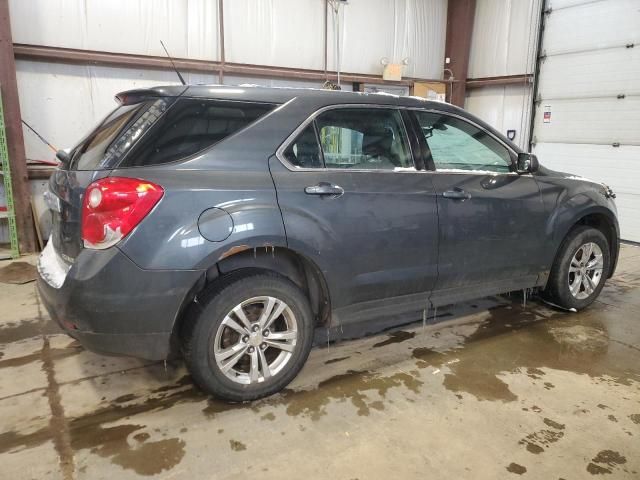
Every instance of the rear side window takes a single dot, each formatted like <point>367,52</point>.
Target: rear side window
<point>190,126</point>
<point>364,138</point>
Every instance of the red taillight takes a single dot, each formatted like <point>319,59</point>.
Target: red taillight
<point>113,206</point>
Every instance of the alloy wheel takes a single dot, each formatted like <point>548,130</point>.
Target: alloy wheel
<point>585,270</point>
<point>255,340</point>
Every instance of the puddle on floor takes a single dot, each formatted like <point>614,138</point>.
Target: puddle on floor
<point>512,340</point>
<point>528,340</point>
<point>18,273</point>
<point>17,331</point>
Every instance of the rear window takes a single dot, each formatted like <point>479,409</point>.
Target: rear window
<point>115,135</point>
<point>190,126</point>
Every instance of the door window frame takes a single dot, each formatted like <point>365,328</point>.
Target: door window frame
<point>513,155</point>
<point>408,131</point>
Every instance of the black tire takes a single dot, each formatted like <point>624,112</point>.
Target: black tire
<point>200,328</point>
<point>557,290</point>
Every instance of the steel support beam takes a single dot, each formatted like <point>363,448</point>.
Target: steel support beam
<point>91,57</point>
<point>15,140</point>
<point>499,81</point>
<point>221,40</point>
<point>460,14</point>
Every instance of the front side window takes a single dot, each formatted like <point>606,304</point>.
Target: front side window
<point>190,126</point>
<point>363,138</point>
<point>457,145</point>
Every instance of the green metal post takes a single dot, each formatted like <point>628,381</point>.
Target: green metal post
<point>8,191</point>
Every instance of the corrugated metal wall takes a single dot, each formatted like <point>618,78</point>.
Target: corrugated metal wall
<point>503,43</point>
<point>64,101</point>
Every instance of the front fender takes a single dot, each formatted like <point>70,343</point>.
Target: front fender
<point>569,203</point>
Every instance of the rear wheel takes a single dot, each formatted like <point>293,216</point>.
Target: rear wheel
<point>251,337</point>
<point>581,266</point>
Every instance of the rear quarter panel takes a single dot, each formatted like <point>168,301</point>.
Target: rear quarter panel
<point>233,176</point>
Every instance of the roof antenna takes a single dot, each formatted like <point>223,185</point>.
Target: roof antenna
<point>61,155</point>
<point>173,64</point>
<point>39,136</point>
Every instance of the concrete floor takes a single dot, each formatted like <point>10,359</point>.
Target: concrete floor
<point>495,390</point>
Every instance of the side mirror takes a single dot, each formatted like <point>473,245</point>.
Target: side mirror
<point>527,163</point>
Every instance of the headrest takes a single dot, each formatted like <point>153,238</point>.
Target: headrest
<point>377,142</point>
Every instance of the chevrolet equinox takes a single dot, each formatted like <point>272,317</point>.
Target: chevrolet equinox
<point>226,224</point>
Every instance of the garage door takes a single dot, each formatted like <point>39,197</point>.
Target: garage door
<point>587,120</point>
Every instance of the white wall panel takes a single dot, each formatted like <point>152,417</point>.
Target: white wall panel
<point>559,4</point>
<point>617,167</point>
<point>594,25</point>
<point>503,39</point>
<point>590,120</point>
<point>276,82</point>
<point>285,33</point>
<point>63,102</point>
<point>189,28</point>
<point>606,72</point>
<point>395,29</point>
<point>504,108</point>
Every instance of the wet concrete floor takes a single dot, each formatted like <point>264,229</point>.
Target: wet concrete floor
<point>494,390</point>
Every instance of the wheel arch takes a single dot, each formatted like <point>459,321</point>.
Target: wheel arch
<point>601,219</point>
<point>282,260</point>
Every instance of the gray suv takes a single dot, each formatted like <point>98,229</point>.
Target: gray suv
<point>227,224</point>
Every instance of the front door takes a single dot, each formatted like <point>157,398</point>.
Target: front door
<point>352,203</point>
<point>491,219</point>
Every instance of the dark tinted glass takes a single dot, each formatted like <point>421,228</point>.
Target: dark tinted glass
<point>190,126</point>
<point>304,152</point>
<point>364,138</point>
<point>103,144</point>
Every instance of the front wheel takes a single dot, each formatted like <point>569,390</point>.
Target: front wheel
<point>580,269</point>
<point>251,337</point>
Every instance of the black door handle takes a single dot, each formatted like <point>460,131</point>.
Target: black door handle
<point>456,194</point>
<point>324,188</point>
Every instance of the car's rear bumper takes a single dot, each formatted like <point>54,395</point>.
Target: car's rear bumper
<point>113,306</point>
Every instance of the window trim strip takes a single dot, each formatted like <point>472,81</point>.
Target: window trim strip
<point>311,118</point>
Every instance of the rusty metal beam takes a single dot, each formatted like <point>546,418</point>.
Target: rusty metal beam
<point>15,140</point>
<point>92,57</point>
<point>460,14</point>
<point>499,81</point>
<point>221,40</point>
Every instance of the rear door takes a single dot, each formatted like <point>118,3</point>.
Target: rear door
<point>490,218</point>
<point>353,203</point>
